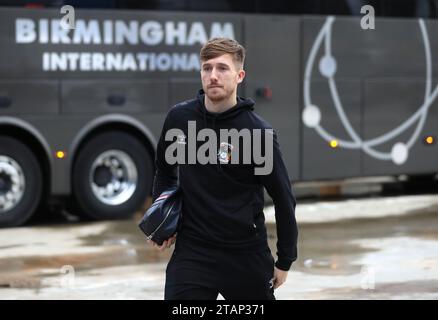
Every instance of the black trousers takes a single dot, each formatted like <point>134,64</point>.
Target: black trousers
<point>196,272</point>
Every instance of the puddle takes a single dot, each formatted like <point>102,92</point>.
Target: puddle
<point>328,249</point>
<point>420,289</point>
<point>19,281</point>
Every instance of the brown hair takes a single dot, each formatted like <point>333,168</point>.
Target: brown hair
<point>219,46</point>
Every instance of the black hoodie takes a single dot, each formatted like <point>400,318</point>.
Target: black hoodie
<point>223,203</point>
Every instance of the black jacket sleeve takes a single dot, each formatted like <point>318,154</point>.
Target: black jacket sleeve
<point>278,186</point>
<point>166,175</point>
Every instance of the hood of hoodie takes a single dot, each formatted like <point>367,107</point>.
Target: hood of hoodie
<point>241,105</point>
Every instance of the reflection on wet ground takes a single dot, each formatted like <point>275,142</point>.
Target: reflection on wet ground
<point>331,260</point>
<point>330,248</point>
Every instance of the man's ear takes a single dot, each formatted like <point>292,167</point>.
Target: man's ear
<point>241,76</point>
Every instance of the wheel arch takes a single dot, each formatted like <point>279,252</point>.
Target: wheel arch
<point>112,122</point>
<point>32,137</point>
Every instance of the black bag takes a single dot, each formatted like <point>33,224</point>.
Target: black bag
<point>160,221</point>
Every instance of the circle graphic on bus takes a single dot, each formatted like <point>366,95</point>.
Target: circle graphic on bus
<point>311,115</point>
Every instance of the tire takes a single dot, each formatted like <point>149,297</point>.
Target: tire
<point>92,176</point>
<point>21,179</point>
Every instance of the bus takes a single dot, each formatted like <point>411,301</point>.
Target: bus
<point>82,107</point>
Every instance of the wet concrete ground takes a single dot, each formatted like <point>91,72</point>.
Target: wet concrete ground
<point>372,257</point>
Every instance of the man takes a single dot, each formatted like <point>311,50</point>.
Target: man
<point>221,246</point>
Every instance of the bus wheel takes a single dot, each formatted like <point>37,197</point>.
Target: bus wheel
<point>112,176</point>
<point>20,182</point>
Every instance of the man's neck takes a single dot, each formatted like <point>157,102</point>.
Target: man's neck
<point>220,106</point>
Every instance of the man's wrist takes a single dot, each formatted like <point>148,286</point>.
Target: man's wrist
<point>283,265</point>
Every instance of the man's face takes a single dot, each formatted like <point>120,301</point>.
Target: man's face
<point>220,77</point>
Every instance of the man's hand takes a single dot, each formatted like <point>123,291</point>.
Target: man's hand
<point>279,277</point>
<point>166,244</point>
